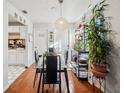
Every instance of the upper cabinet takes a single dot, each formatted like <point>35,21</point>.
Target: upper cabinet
<point>14,35</point>
<point>14,29</point>
<point>16,20</point>
<point>19,31</point>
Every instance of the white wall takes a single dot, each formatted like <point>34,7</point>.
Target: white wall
<point>9,9</point>
<point>40,36</point>
<point>41,31</point>
<point>29,49</point>
<point>12,10</point>
<point>30,44</point>
<point>113,79</point>
<point>62,37</point>
<point>71,37</point>
<point>5,44</point>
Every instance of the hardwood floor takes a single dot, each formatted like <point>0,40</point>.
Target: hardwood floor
<point>24,84</point>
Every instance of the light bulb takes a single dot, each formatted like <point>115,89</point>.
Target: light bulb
<point>61,24</point>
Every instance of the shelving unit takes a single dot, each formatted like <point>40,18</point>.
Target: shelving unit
<point>80,66</point>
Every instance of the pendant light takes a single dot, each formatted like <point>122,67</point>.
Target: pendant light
<point>61,23</point>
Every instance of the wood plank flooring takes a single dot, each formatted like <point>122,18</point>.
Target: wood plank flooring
<point>24,84</point>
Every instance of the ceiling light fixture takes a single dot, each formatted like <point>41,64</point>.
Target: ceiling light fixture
<point>61,23</point>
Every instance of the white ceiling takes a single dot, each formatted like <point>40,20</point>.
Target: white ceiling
<point>48,10</point>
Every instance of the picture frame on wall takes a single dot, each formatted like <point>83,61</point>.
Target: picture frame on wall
<point>51,37</point>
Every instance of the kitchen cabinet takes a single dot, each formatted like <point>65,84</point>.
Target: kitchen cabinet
<point>16,57</point>
<point>12,56</point>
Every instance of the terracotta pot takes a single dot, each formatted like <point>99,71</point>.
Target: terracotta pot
<point>99,74</point>
<point>100,67</point>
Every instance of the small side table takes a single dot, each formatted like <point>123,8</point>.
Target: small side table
<point>101,78</point>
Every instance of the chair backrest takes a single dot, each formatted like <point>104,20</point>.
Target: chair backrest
<point>66,57</point>
<point>36,56</point>
<point>53,64</point>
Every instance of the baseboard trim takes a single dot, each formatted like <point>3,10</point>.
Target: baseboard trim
<point>6,87</point>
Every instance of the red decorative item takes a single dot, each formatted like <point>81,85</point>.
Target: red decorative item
<point>80,26</point>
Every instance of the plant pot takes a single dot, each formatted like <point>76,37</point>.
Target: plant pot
<point>98,74</point>
<point>100,67</point>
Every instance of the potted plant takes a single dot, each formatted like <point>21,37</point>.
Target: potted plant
<point>99,46</point>
<point>78,46</point>
<point>50,54</point>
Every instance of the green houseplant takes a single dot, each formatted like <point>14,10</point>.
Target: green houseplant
<point>98,28</point>
<point>78,46</point>
<point>50,54</point>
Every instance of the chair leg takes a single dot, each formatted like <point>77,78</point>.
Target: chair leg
<point>60,87</point>
<point>35,78</point>
<point>43,86</point>
<point>66,77</point>
<point>38,91</point>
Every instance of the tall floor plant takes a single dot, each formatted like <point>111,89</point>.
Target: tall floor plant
<point>98,28</point>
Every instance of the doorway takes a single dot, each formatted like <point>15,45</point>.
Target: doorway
<point>17,50</point>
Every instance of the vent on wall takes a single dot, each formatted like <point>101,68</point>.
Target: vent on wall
<point>41,35</point>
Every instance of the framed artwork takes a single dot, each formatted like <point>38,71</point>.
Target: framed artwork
<point>16,43</point>
<point>51,37</point>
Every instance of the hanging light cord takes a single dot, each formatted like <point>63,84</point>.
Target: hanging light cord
<point>61,1</point>
<point>61,9</point>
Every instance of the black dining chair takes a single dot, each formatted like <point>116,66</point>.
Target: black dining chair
<point>38,67</point>
<point>64,69</point>
<point>66,57</point>
<point>51,71</point>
